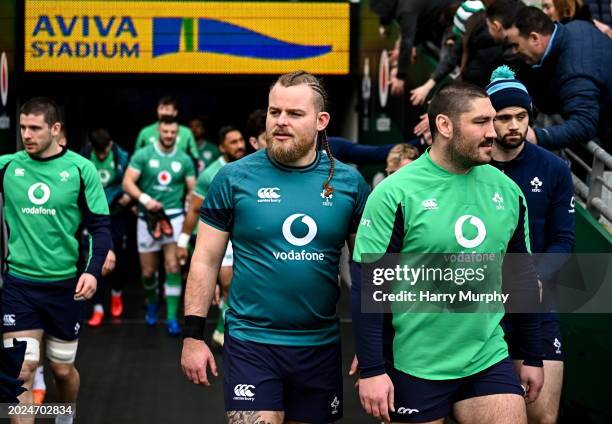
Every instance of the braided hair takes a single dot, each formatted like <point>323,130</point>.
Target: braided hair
<point>321,102</point>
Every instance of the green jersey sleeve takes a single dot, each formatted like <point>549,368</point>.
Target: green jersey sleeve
<point>218,209</point>
<point>381,219</point>
<point>203,184</point>
<point>138,161</point>
<point>4,159</point>
<point>189,169</point>
<point>192,147</point>
<point>94,192</point>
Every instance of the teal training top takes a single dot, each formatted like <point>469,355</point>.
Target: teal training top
<point>423,208</point>
<point>287,237</point>
<point>45,203</point>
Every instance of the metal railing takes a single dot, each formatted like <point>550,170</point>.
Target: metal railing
<point>591,191</point>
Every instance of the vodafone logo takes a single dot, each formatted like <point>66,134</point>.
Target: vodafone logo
<point>480,227</point>
<point>39,193</point>
<point>164,178</point>
<point>383,78</point>
<point>3,79</point>
<point>299,241</point>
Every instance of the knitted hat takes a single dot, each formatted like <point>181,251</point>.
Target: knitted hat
<point>505,90</point>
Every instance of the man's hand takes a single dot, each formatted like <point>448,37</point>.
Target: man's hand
<point>397,86</point>
<point>217,298</point>
<point>124,200</point>
<point>422,127</point>
<point>181,254</point>
<point>354,366</point>
<point>109,263</point>
<point>195,359</point>
<point>86,287</point>
<point>377,396</point>
<point>354,369</point>
<point>383,31</point>
<point>532,379</point>
<point>153,205</point>
<point>531,136</point>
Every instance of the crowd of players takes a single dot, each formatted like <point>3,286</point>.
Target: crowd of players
<point>231,218</point>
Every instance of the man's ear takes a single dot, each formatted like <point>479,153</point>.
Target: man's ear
<point>55,129</point>
<point>322,120</point>
<point>444,126</point>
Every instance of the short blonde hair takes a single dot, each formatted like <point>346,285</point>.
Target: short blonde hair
<point>401,152</point>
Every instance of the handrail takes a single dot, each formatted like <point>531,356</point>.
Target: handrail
<point>591,191</point>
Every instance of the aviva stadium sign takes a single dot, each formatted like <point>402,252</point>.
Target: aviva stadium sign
<point>186,37</point>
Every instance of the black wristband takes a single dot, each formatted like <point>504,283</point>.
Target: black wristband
<point>194,327</point>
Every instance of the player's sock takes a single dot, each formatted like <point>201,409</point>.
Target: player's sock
<point>39,379</point>
<point>64,419</point>
<point>172,290</point>
<point>150,287</point>
<point>98,308</point>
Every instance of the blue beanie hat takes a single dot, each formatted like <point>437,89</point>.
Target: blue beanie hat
<point>506,91</point>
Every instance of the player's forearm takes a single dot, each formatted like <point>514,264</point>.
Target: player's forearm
<point>131,188</point>
<point>193,214</point>
<point>200,288</point>
<point>190,221</point>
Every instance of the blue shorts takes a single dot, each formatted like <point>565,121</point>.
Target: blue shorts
<point>305,382</point>
<point>420,400</point>
<point>551,338</point>
<point>47,306</point>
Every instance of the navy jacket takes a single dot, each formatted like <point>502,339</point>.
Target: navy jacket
<point>546,182</point>
<point>114,190</point>
<point>574,79</point>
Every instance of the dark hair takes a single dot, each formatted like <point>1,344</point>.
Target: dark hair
<point>224,130</point>
<point>42,106</point>
<point>100,139</point>
<point>168,119</point>
<point>452,100</point>
<point>256,123</point>
<point>168,101</point>
<point>531,19</point>
<point>321,104</point>
<point>302,77</point>
<point>504,11</point>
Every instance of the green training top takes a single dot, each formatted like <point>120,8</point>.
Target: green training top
<point>208,153</point>
<point>423,208</point>
<point>163,175</point>
<point>45,202</point>
<point>287,238</point>
<point>206,177</point>
<point>184,140</point>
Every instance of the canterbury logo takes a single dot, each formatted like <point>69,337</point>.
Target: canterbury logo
<point>9,320</point>
<point>429,204</point>
<point>480,227</point>
<point>268,193</point>
<point>244,390</point>
<point>408,411</point>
